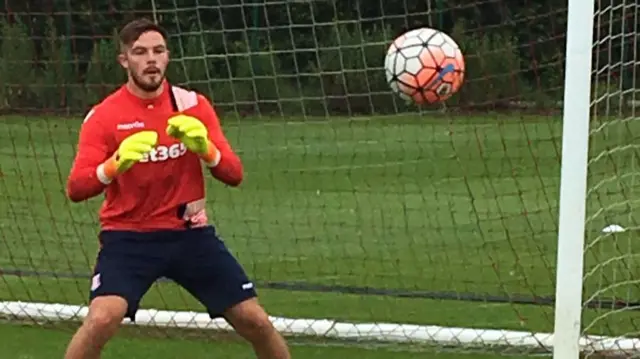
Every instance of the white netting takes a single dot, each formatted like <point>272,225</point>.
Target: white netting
<point>613,202</point>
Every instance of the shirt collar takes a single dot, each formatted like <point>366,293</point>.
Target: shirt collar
<point>150,102</point>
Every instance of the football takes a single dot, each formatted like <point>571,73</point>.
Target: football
<point>424,66</point>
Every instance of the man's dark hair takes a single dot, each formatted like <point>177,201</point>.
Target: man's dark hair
<point>131,32</point>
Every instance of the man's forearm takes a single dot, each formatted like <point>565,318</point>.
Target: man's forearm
<point>227,169</point>
<point>84,184</point>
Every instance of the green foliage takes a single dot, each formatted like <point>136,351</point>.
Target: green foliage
<point>191,68</point>
<point>103,74</point>
<point>56,83</point>
<point>17,72</point>
<point>609,98</point>
<point>334,70</point>
<point>260,80</point>
<point>349,67</point>
<point>494,76</point>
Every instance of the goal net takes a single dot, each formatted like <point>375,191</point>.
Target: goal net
<point>362,217</point>
<point>611,276</point>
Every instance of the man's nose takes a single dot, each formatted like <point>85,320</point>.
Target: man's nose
<point>151,57</point>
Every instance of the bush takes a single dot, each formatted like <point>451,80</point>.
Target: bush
<point>494,77</point>
<point>56,84</point>
<point>103,74</point>
<point>343,75</point>
<point>349,71</point>
<point>189,67</point>
<point>261,80</point>
<point>17,70</point>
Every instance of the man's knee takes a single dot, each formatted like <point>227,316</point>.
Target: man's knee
<point>250,320</point>
<point>106,314</point>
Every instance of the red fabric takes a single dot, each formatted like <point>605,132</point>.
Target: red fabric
<point>147,196</point>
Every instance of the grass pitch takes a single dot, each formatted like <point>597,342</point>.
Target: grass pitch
<point>407,204</point>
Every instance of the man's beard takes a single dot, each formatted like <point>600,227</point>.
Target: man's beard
<point>148,86</point>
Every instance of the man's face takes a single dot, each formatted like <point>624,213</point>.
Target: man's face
<point>146,61</point>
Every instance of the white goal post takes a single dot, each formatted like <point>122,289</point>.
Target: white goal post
<point>573,181</point>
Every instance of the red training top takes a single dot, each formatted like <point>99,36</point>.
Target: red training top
<point>166,189</point>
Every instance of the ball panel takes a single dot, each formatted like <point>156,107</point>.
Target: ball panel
<point>401,41</point>
<point>399,64</point>
<point>448,50</point>
<point>411,47</point>
<point>394,86</point>
<point>388,76</point>
<point>426,34</point>
<point>448,74</point>
<point>408,88</point>
<point>413,33</point>
<point>461,65</point>
<point>449,40</point>
<point>405,87</point>
<point>437,40</point>
<point>460,60</point>
<point>413,66</point>
<point>451,75</point>
<point>425,79</point>
<point>407,83</point>
<point>427,59</point>
<point>389,65</point>
<point>392,49</point>
<point>424,66</point>
<point>438,55</point>
<point>404,96</point>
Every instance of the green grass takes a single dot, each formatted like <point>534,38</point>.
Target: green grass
<point>35,343</point>
<point>412,203</point>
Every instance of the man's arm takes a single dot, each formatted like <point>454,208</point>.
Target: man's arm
<point>224,165</point>
<point>93,149</point>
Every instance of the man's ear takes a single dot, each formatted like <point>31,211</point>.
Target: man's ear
<point>122,60</point>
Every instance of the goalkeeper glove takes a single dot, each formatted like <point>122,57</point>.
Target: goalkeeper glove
<point>131,150</point>
<point>193,133</point>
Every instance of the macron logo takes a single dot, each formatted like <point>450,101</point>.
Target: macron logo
<point>130,126</point>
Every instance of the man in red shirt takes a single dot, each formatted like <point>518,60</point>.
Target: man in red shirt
<point>144,147</point>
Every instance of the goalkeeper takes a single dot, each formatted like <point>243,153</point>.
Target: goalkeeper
<point>144,147</point>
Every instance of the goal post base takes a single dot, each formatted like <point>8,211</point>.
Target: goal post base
<point>332,329</point>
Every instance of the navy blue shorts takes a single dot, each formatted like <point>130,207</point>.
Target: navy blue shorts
<point>130,262</point>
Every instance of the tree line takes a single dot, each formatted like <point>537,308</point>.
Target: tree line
<point>301,57</point>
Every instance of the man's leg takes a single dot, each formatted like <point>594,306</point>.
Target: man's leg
<point>211,274</point>
<point>124,271</point>
<point>102,323</point>
<point>251,322</point>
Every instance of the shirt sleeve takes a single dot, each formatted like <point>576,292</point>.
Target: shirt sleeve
<point>229,169</point>
<point>93,149</point>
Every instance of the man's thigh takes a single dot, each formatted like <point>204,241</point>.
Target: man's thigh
<point>210,272</point>
<point>128,264</point>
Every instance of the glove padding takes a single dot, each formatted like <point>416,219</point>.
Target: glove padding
<point>131,151</point>
<point>195,136</point>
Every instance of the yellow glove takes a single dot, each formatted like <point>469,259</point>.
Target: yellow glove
<point>194,134</point>
<point>131,151</point>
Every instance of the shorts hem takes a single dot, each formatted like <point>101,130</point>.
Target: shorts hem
<point>132,308</point>
<point>213,314</point>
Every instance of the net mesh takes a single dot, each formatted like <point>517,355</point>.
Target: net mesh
<point>357,207</point>
<point>611,253</point>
